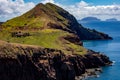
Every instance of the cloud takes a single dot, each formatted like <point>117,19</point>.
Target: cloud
<point>46,1</point>
<point>83,9</point>
<point>10,8</point>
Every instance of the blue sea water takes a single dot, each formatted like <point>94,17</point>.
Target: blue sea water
<point>109,47</point>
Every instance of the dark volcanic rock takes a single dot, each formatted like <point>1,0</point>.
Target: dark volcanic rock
<point>74,39</point>
<point>34,63</point>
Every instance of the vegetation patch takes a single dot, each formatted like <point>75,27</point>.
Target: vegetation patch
<point>19,34</point>
<point>48,38</point>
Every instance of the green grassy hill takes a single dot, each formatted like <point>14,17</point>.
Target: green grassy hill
<point>49,26</point>
<point>38,18</point>
<point>48,38</point>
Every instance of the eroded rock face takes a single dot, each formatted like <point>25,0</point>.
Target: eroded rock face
<point>48,64</point>
<point>73,39</point>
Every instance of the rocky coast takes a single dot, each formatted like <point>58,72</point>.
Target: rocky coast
<point>26,62</point>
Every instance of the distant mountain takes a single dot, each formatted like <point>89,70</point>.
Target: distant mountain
<point>112,19</point>
<point>89,19</point>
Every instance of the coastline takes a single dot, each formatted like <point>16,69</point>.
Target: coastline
<point>47,64</point>
<point>94,72</point>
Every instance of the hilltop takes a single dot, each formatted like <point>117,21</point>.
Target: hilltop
<point>50,16</point>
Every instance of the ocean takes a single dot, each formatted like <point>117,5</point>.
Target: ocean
<point>111,48</point>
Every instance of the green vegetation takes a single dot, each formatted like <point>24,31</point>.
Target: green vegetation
<point>43,38</point>
<point>35,22</point>
<point>48,38</point>
<point>25,22</point>
<point>39,17</point>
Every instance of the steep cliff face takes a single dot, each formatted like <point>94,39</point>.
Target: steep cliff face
<point>24,62</point>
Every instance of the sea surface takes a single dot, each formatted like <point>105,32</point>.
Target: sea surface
<point>109,47</point>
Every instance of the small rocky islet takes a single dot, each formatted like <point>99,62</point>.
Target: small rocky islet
<point>45,43</point>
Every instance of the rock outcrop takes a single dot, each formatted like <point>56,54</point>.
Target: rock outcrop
<point>23,62</point>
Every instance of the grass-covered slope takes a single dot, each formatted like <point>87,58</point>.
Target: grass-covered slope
<point>48,38</point>
<point>51,16</point>
<point>49,26</point>
<point>38,18</point>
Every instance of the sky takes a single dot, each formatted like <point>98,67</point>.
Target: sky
<point>102,9</point>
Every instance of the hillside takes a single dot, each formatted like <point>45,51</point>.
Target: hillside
<point>50,16</point>
<point>49,26</point>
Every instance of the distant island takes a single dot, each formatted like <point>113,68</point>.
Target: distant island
<point>89,19</point>
<point>94,19</point>
<point>112,19</point>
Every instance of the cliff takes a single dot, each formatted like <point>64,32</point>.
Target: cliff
<point>27,62</point>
